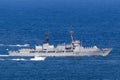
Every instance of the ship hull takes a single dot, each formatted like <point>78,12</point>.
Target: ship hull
<point>103,52</point>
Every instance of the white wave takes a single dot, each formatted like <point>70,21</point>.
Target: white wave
<point>4,55</point>
<point>16,45</point>
<point>2,59</point>
<point>2,44</point>
<point>19,59</point>
<point>37,58</point>
<point>19,45</point>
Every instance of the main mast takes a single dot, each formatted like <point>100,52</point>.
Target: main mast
<point>71,35</point>
<point>46,38</point>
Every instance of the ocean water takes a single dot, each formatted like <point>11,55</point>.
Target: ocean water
<point>94,22</point>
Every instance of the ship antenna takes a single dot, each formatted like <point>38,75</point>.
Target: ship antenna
<point>71,34</point>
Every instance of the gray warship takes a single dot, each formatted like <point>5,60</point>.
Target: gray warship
<point>61,50</point>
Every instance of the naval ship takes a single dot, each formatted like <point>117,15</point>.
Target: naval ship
<point>61,50</point>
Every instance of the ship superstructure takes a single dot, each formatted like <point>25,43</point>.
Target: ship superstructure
<point>61,50</point>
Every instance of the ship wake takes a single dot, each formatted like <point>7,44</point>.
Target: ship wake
<point>36,58</point>
<point>7,58</point>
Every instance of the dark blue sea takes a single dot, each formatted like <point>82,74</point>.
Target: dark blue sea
<point>94,22</point>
